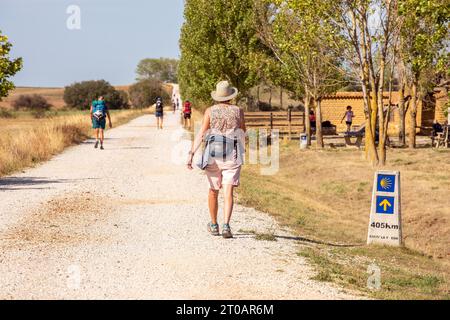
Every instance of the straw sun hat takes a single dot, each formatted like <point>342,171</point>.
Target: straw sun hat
<point>224,92</point>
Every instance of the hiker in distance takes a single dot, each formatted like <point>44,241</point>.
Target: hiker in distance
<point>159,113</point>
<point>99,112</point>
<point>187,112</point>
<point>348,116</point>
<point>223,129</point>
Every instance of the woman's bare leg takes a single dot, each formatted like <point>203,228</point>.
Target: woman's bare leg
<point>213,204</point>
<point>229,202</point>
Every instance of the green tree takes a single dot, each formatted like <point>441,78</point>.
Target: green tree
<point>298,36</point>
<point>144,93</point>
<point>366,32</point>
<point>162,69</point>
<point>423,46</point>
<point>218,41</point>
<point>80,95</point>
<point>8,67</point>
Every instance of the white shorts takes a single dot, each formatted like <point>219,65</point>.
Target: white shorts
<point>220,173</point>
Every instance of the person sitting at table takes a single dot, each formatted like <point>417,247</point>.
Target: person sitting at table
<point>437,128</point>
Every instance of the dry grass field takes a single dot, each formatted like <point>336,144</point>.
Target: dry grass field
<point>53,95</point>
<point>324,196</point>
<point>25,141</point>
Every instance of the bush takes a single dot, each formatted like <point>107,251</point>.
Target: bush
<point>125,98</point>
<point>144,93</point>
<point>33,102</point>
<point>263,106</point>
<point>81,94</point>
<point>6,114</point>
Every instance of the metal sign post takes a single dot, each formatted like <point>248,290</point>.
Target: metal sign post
<point>385,216</point>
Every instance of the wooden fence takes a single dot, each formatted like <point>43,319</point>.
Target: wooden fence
<point>287,122</point>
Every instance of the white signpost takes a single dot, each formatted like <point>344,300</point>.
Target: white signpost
<point>385,225</point>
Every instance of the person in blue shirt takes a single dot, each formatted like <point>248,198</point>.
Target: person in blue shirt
<point>99,112</point>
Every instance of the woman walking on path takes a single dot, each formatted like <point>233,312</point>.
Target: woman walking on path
<point>224,129</point>
<point>99,112</point>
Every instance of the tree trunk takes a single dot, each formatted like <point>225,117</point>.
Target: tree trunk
<point>371,122</point>
<point>319,136</point>
<point>382,133</point>
<point>307,121</point>
<point>401,113</point>
<point>413,116</point>
<point>270,97</point>
<point>281,98</point>
<point>258,98</point>
<point>370,148</point>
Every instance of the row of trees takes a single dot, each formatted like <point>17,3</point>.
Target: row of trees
<point>312,48</point>
<point>140,95</point>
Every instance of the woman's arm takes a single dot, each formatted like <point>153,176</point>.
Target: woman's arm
<point>91,111</point>
<point>199,138</point>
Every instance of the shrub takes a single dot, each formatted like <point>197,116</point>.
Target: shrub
<point>125,98</point>
<point>33,102</point>
<point>6,114</point>
<point>81,94</point>
<point>144,93</point>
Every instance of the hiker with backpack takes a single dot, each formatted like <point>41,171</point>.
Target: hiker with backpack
<point>159,113</point>
<point>223,129</point>
<point>187,112</point>
<point>99,112</point>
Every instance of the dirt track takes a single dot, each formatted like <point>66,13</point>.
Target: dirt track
<point>128,222</point>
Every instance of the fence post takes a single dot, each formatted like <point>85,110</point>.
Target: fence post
<point>289,120</point>
<point>271,122</point>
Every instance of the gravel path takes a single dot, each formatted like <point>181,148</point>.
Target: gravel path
<point>129,223</point>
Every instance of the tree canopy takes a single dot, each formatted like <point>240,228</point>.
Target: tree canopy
<point>81,94</point>
<point>162,69</point>
<point>218,42</point>
<point>8,67</point>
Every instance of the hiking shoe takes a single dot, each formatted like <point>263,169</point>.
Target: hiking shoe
<point>96,145</point>
<point>213,229</point>
<point>226,231</point>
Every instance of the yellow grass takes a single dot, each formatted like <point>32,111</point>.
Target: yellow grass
<point>25,141</point>
<point>324,196</point>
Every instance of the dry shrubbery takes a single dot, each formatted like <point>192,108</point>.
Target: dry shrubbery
<point>145,92</point>
<point>6,114</point>
<point>37,104</point>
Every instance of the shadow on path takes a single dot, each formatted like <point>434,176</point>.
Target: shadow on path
<point>19,183</point>
<point>301,239</point>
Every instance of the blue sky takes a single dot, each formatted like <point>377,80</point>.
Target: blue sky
<point>114,36</point>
